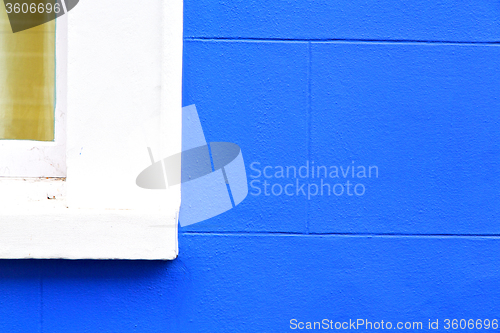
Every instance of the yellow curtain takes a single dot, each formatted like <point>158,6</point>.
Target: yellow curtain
<point>27,81</point>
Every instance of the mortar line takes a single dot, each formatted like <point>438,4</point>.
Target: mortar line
<point>364,235</point>
<point>41,298</point>
<point>309,117</point>
<point>343,40</point>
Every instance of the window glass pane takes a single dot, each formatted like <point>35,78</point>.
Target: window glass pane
<point>27,81</point>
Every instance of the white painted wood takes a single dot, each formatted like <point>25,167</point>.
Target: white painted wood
<point>27,194</point>
<point>26,158</point>
<point>36,223</point>
<point>171,78</point>
<point>92,234</point>
<point>123,95</point>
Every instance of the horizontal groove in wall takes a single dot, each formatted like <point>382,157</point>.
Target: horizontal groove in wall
<point>339,40</point>
<point>365,235</point>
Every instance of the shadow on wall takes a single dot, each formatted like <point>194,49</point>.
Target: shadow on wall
<point>114,295</point>
<point>84,269</point>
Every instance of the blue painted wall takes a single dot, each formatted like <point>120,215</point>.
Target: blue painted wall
<point>412,87</point>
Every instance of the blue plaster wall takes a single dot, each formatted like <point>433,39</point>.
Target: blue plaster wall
<point>410,86</point>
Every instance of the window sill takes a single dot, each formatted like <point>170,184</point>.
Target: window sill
<point>51,230</point>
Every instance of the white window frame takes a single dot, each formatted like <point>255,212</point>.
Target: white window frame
<point>98,212</point>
